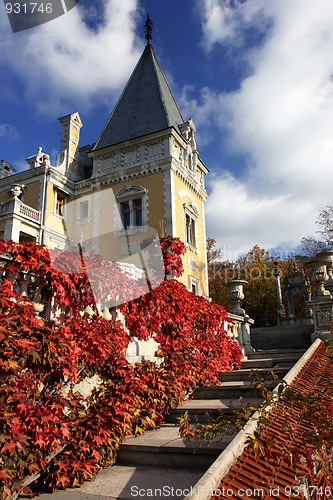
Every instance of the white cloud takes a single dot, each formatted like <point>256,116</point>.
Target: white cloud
<point>281,118</point>
<point>225,21</point>
<point>8,131</point>
<point>64,61</point>
<point>238,218</point>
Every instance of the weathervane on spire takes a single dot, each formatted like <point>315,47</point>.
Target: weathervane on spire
<point>149,29</point>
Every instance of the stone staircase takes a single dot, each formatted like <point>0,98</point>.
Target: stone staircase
<point>164,447</point>
<point>160,458</point>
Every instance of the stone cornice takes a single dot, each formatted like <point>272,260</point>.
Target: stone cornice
<point>125,175</point>
<point>35,175</point>
<point>131,143</point>
<point>190,183</point>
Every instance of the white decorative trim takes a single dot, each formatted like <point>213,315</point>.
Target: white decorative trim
<point>130,231</point>
<point>129,191</point>
<point>192,264</point>
<point>205,245</point>
<point>191,208</point>
<point>184,192</point>
<point>169,203</point>
<point>194,281</point>
<point>96,218</point>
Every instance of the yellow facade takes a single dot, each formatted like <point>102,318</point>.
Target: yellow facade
<point>32,194</point>
<point>3,197</point>
<point>183,195</point>
<point>53,221</point>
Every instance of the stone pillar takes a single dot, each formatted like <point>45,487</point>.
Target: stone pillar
<point>281,313</point>
<point>12,230</point>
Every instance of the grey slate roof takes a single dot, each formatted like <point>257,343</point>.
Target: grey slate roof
<point>145,106</point>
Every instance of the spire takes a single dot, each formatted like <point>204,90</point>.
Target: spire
<point>149,29</point>
<point>145,106</point>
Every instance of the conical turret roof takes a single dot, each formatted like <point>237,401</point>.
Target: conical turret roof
<point>145,106</point>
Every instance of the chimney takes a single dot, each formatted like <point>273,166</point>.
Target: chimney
<point>70,134</point>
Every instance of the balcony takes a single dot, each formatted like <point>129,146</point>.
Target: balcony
<point>15,207</point>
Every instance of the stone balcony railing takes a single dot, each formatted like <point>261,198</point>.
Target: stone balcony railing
<point>16,207</point>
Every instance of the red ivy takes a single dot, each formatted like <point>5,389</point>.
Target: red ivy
<point>42,361</point>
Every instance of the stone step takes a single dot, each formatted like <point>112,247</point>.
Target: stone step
<point>161,457</point>
<point>245,373</point>
<point>233,389</point>
<point>269,362</point>
<point>277,353</point>
<point>126,482</point>
<point>165,448</point>
<point>202,410</point>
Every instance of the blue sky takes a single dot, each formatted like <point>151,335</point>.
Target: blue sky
<point>256,76</point>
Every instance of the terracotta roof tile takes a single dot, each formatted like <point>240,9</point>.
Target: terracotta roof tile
<point>269,478</point>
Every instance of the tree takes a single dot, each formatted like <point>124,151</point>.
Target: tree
<point>311,246</point>
<point>216,280</point>
<point>256,267</point>
<point>325,221</point>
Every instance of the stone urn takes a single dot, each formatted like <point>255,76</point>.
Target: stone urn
<point>318,278</point>
<point>327,255</point>
<point>236,294</point>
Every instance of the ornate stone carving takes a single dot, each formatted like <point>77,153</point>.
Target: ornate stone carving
<point>17,190</point>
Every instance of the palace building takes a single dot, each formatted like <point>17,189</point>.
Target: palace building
<point>142,176</point>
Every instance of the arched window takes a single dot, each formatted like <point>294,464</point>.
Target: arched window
<point>191,215</point>
<point>132,207</point>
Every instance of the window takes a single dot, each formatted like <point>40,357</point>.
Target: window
<point>190,230</point>
<point>126,214</point>
<point>194,285</point>
<point>191,215</point>
<point>131,202</point>
<point>60,203</point>
<point>137,206</point>
<point>131,213</point>
<point>84,210</point>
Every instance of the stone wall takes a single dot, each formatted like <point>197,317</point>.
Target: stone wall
<point>282,337</point>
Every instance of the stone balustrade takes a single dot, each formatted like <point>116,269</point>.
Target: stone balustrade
<point>16,207</point>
